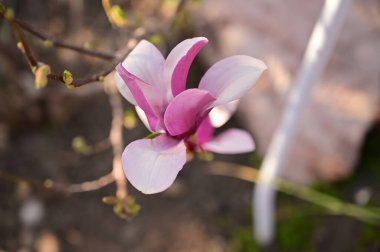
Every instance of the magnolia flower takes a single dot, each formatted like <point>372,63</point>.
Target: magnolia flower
<point>185,118</point>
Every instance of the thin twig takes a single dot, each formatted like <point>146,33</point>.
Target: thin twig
<point>116,137</point>
<point>68,189</point>
<point>80,82</point>
<point>20,38</point>
<point>33,62</point>
<point>90,185</point>
<point>101,146</point>
<point>16,26</point>
<point>58,43</point>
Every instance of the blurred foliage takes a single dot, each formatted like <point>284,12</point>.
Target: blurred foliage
<point>116,15</point>
<point>206,156</point>
<point>295,229</point>
<point>297,221</point>
<point>123,208</point>
<point>255,159</point>
<point>368,237</point>
<point>79,145</point>
<point>130,120</point>
<point>242,241</point>
<point>156,39</point>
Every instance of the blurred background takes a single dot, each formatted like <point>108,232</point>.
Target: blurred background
<point>53,139</point>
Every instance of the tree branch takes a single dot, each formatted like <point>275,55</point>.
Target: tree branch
<point>90,185</point>
<point>58,43</point>
<point>116,138</point>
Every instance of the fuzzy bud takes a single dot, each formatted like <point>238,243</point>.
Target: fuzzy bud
<point>41,76</point>
<point>68,78</point>
<point>48,43</point>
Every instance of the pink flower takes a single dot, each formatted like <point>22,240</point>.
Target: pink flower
<point>157,87</point>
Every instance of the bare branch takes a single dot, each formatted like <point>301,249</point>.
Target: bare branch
<point>58,43</point>
<point>80,82</point>
<point>23,46</point>
<point>90,185</point>
<point>116,137</point>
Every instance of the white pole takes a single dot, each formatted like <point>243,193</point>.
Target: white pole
<point>318,52</point>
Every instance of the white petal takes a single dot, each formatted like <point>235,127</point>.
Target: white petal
<point>230,78</point>
<point>219,115</point>
<point>124,90</point>
<point>146,62</point>
<point>143,117</point>
<point>232,141</point>
<point>151,165</point>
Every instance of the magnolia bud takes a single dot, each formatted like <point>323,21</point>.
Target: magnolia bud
<point>41,76</point>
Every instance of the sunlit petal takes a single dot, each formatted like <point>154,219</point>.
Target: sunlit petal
<point>232,141</point>
<point>219,115</point>
<point>147,97</point>
<point>151,165</point>
<point>230,78</point>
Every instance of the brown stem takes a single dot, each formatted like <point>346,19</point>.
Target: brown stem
<point>101,146</point>
<point>69,189</point>
<point>90,185</point>
<point>57,43</point>
<point>116,138</point>
<point>20,38</point>
<point>81,82</point>
<point>15,25</point>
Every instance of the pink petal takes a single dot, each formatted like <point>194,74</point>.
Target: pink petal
<point>178,63</point>
<point>147,97</point>
<point>124,90</point>
<point>230,78</point>
<point>151,165</point>
<point>232,141</point>
<point>219,115</point>
<point>186,110</point>
<point>205,131</point>
<point>146,62</point>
